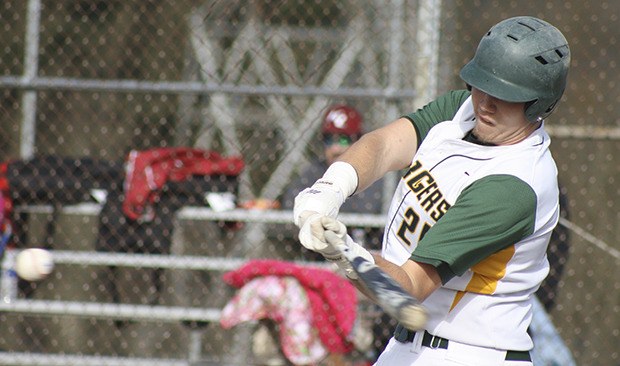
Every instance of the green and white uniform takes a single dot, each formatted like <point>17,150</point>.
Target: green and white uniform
<point>483,216</point>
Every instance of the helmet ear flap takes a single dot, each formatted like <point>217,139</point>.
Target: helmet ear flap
<point>528,111</point>
<point>531,108</point>
<point>551,108</point>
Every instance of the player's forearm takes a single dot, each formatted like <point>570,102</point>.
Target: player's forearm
<point>419,279</point>
<point>389,148</point>
<point>366,157</point>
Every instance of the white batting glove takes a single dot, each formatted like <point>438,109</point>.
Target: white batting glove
<point>328,236</point>
<point>327,194</point>
<point>311,222</point>
<point>312,234</point>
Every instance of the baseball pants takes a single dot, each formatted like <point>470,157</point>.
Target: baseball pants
<point>426,351</point>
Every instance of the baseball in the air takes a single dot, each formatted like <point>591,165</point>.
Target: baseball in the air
<point>34,264</point>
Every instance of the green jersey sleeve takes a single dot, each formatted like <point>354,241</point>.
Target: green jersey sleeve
<point>441,109</point>
<point>489,215</point>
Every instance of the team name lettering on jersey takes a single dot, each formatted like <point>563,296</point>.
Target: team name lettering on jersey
<point>430,199</point>
<point>424,186</point>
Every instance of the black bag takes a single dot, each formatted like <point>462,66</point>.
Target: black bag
<point>118,233</point>
<point>56,181</point>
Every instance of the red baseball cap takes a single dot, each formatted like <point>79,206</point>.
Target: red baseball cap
<point>342,120</point>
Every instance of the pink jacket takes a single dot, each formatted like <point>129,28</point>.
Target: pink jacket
<point>333,299</point>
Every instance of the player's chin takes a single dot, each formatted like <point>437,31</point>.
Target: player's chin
<point>485,132</point>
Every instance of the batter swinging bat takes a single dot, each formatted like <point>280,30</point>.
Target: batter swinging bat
<point>388,294</point>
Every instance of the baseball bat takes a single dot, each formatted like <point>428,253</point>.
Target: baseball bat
<point>387,293</point>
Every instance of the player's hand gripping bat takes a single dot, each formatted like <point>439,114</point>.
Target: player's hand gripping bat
<point>387,293</point>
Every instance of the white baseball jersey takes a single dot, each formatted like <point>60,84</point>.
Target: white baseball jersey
<point>483,216</point>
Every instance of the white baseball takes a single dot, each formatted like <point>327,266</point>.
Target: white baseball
<point>34,264</point>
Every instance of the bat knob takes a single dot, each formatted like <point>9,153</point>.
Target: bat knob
<point>413,317</point>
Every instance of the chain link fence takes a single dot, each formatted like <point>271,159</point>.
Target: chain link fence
<point>94,91</point>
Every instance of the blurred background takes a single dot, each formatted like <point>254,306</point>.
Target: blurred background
<point>88,88</point>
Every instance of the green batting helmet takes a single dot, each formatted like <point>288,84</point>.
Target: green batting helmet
<point>521,59</point>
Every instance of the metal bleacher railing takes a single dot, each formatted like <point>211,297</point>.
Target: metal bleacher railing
<point>156,313</point>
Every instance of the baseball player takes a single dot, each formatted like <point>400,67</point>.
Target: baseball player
<point>472,215</point>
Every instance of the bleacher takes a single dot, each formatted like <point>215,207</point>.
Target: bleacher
<point>177,326</point>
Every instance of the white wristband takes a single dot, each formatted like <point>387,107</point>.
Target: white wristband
<point>344,176</point>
